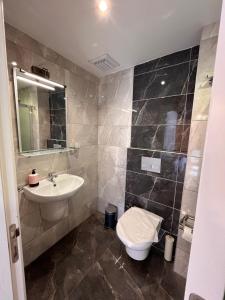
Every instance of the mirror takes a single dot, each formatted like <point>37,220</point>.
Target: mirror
<point>41,112</point>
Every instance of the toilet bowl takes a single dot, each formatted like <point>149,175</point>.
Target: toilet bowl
<point>138,229</point>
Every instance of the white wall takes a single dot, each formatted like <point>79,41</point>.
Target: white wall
<point>206,274</point>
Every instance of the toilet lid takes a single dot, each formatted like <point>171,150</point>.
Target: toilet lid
<point>138,226</point>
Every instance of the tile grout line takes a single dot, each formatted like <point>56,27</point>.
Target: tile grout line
<point>162,97</point>
<point>171,207</point>
<point>162,68</point>
<point>149,175</point>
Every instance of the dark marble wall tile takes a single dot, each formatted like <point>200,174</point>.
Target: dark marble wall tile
<point>58,132</point>
<point>161,137</point>
<point>163,211</point>
<point>58,117</point>
<point>185,139</point>
<point>178,195</point>
<point>174,58</point>
<point>188,109</point>
<point>175,222</point>
<point>139,184</point>
<point>194,52</point>
<point>164,111</point>
<point>146,67</point>
<point>133,200</point>
<point>181,168</point>
<point>52,142</point>
<point>57,99</point>
<point>164,82</point>
<point>172,165</point>
<point>162,108</point>
<point>169,162</point>
<point>57,108</point>
<point>165,61</point>
<point>163,192</point>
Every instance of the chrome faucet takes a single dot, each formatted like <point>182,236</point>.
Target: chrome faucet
<point>51,177</point>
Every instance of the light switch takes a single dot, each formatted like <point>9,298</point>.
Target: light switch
<point>151,164</point>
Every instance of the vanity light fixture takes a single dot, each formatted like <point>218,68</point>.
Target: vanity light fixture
<point>35,83</point>
<point>103,6</point>
<point>39,78</point>
<point>14,63</point>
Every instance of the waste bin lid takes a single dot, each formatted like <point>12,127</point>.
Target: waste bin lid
<point>111,209</point>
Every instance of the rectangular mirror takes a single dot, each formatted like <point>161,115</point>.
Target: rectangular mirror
<point>41,112</point>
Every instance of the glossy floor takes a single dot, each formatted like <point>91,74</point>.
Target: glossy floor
<point>91,263</point>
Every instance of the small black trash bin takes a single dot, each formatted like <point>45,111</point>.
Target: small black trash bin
<point>110,216</point>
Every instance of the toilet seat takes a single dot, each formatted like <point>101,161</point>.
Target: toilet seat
<point>138,228</point>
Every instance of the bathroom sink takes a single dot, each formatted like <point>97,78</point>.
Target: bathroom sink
<point>63,187</point>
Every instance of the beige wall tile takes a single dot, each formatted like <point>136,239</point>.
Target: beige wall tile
<point>197,138</point>
<point>193,171</point>
<point>202,98</point>
<point>181,262</point>
<point>82,93</point>
<point>110,115</point>
<point>189,202</point>
<point>118,136</point>
<point>206,62</point>
<point>117,89</point>
<point>114,156</point>
<point>26,207</point>
<point>31,226</point>
<point>84,113</point>
<point>44,241</point>
<point>210,31</point>
<point>111,187</point>
<point>114,134</point>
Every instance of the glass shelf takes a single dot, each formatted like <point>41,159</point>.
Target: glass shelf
<point>47,151</point>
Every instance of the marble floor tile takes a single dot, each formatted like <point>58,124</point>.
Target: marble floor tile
<point>91,263</point>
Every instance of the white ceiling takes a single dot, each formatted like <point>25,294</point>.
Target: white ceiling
<point>134,32</point>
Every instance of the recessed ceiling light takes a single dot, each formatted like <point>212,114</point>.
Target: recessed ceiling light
<point>163,82</point>
<point>14,63</point>
<point>103,6</point>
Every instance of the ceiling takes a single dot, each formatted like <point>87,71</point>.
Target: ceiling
<point>134,31</point>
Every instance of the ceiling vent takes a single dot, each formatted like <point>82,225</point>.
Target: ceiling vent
<point>105,63</point>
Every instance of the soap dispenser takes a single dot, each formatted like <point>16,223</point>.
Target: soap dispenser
<point>33,179</point>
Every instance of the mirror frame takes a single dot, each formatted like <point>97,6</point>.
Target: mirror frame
<point>18,71</point>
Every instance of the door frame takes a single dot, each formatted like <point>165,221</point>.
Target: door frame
<point>206,270</point>
<point>12,282</point>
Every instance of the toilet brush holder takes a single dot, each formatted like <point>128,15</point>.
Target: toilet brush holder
<point>110,216</point>
<point>168,253</point>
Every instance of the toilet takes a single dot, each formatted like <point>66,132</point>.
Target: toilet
<point>137,229</point>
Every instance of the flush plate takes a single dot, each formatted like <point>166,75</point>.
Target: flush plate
<point>151,164</point>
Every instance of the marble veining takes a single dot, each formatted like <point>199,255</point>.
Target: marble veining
<point>174,110</point>
<point>82,120</point>
<point>206,62</point>
<point>161,137</point>
<point>90,263</point>
<point>149,85</point>
<point>163,95</point>
<point>114,134</point>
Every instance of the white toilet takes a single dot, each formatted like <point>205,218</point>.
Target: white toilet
<point>138,228</point>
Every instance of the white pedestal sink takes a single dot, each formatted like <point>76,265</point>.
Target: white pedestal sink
<point>52,196</point>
